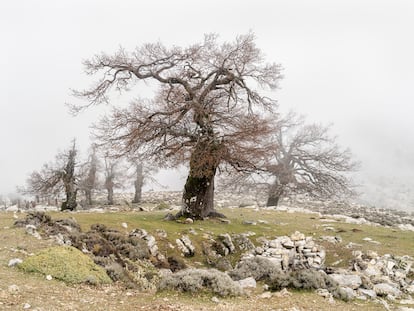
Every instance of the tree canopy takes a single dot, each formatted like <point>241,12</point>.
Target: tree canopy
<point>208,109</point>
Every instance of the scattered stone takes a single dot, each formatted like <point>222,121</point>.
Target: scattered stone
<point>188,221</point>
<point>12,208</point>
<point>148,238</point>
<point>283,293</point>
<point>192,231</point>
<point>349,292</point>
<point>227,242</point>
<point>323,292</point>
<point>248,283</point>
<point>297,236</point>
<point>124,225</point>
<point>406,227</point>
<point>249,222</point>
<point>351,245</point>
<point>224,220</point>
<point>169,217</point>
<point>337,262</point>
<point>384,289</point>
<point>49,277</point>
<point>331,239</point>
<point>265,295</point>
<point>242,242</point>
<point>161,233</point>
<point>14,262</point>
<point>215,299</point>
<point>186,246</point>
<point>347,280</point>
<point>13,289</point>
<point>26,306</point>
<point>32,230</point>
<point>370,293</point>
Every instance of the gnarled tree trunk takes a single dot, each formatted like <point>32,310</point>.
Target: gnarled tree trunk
<point>275,193</point>
<point>68,178</point>
<point>70,203</point>
<point>198,195</point>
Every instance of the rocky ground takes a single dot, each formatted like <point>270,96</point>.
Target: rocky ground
<point>261,268</point>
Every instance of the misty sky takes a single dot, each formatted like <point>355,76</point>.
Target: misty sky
<point>350,63</point>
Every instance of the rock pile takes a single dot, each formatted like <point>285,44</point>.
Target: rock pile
<point>389,276</point>
<point>292,253</point>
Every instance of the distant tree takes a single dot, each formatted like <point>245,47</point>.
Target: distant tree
<point>138,182</point>
<point>207,110</point>
<point>56,177</point>
<point>142,174</point>
<point>307,160</point>
<point>88,180</point>
<point>115,176</point>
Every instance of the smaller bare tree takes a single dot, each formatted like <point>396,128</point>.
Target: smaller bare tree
<point>304,159</point>
<point>88,181</point>
<point>56,177</point>
<point>114,176</point>
<point>307,160</point>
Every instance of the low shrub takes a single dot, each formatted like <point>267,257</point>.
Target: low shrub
<point>307,279</point>
<point>196,280</point>
<point>67,264</point>
<point>261,269</point>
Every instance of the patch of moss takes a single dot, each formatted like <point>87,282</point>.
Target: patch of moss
<point>67,264</point>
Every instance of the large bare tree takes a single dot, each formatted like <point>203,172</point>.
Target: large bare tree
<point>307,159</point>
<point>208,109</point>
<point>57,177</point>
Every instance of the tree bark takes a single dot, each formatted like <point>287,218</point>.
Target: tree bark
<point>139,182</point>
<point>68,178</point>
<point>275,193</point>
<point>198,195</point>
<point>110,196</point>
<point>272,200</point>
<point>88,197</point>
<point>70,203</point>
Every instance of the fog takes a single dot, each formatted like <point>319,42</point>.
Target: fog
<point>349,63</point>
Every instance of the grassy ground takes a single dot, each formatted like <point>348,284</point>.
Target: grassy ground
<point>54,295</point>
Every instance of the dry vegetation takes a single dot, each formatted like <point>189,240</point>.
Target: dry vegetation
<point>42,294</point>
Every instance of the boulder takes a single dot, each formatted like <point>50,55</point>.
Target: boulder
<point>370,293</point>
<point>247,283</point>
<point>385,289</point>
<point>347,280</point>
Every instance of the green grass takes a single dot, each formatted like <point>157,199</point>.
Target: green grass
<point>392,241</point>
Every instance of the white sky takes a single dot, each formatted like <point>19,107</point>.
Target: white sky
<point>350,63</point>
